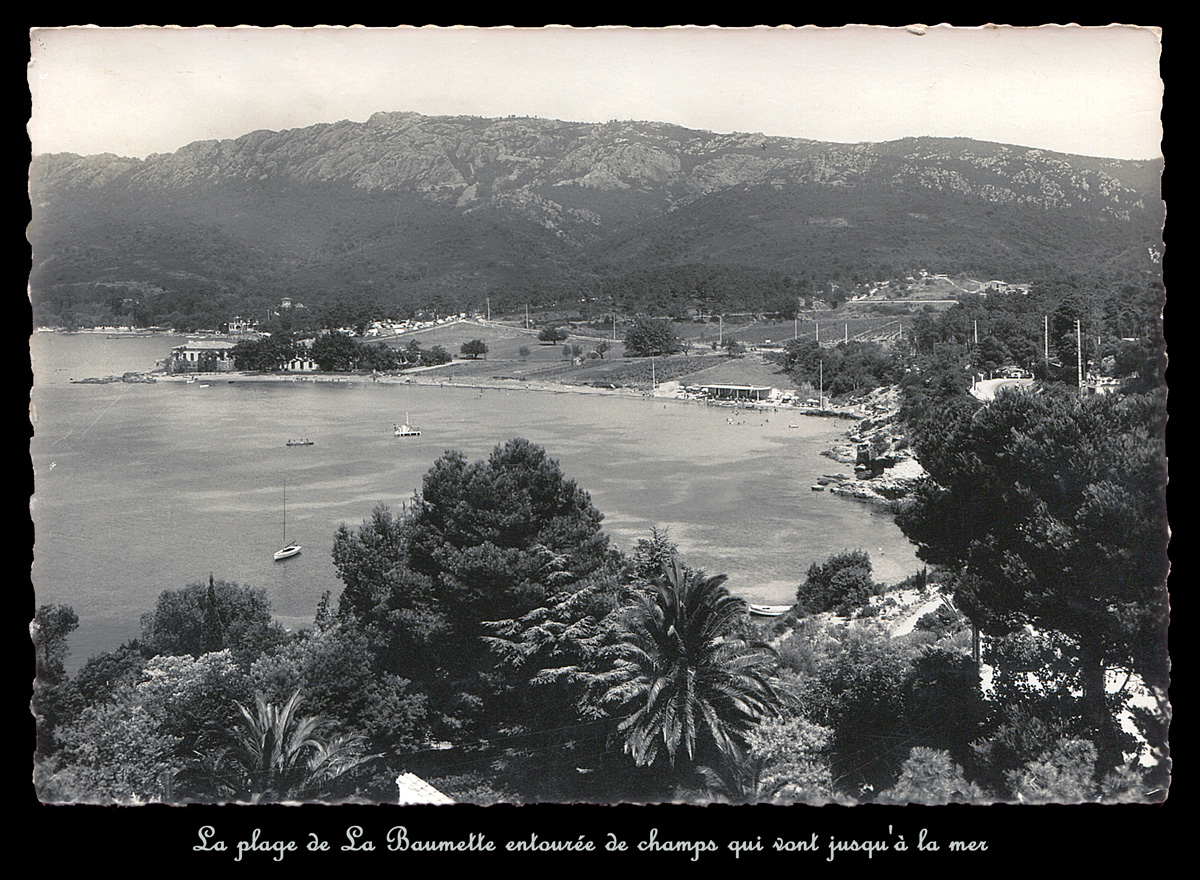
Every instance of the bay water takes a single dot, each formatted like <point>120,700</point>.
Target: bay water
<point>139,488</point>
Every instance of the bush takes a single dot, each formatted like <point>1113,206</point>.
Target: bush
<point>796,653</point>
<point>794,755</point>
<point>940,621</point>
<point>930,776</point>
<point>842,584</point>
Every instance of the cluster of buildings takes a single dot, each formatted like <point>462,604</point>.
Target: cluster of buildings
<point>393,328</point>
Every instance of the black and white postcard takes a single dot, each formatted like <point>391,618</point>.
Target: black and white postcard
<point>720,422</point>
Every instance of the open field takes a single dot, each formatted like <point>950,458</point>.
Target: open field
<point>504,341</point>
<point>701,363</point>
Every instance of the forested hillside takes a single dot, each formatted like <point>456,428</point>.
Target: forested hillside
<point>406,213</point>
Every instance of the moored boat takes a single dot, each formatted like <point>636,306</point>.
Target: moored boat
<point>290,549</point>
<point>770,610</point>
<point>406,429</point>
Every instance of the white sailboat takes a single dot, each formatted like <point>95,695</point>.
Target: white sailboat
<point>289,549</point>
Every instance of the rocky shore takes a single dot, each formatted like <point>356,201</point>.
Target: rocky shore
<point>879,452</point>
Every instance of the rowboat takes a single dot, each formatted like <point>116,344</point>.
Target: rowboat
<point>770,610</point>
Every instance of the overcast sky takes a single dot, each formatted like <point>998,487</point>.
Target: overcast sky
<point>136,91</point>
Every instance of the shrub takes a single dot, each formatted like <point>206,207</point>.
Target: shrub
<point>940,620</point>
<point>1063,774</point>
<point>930,776</point>
<point>842,584</point>
<point>794,758</point>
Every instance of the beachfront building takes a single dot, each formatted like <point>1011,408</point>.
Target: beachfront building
<point>734,392</point>
<point>201,356</point>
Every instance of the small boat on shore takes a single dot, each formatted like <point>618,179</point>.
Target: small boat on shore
<point>770,610</point>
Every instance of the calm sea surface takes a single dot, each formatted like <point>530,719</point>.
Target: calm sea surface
<point>145,487</point>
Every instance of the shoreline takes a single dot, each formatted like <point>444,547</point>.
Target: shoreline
<point>419,376</point>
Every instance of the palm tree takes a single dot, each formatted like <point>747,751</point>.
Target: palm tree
<point>276,755</point>
<point>683,680</point>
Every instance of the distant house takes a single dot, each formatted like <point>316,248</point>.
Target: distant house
<point>302,363</point>
<point>1101,385</point>
<point>239,326</point>
<point>201,356</point>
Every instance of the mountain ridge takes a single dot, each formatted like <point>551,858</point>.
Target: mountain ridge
<point>469,201</point>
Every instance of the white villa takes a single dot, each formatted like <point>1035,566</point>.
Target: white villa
<point>201,356</point>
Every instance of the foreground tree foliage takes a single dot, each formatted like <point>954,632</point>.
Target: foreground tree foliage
<point>686,685</point>
<point>55,697</point>
<point>792,762</point>
<point>275,754</point>
<point>482,541</point>
<point>203,618</point>
<point>1054,508</point>
<point>498,536</point>
<point>131,746</point>
<point>489,639</point>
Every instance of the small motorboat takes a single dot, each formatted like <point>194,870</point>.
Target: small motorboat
<point>300,443</point>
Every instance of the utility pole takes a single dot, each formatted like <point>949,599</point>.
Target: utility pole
<point>526,316</point>
<point>817,325</point>
<point>821,390</point>
<point>1046,341</point>
<point>1079,355</point>
<point>489,308</point>
<point>976,322</point>
<point>846,334</point>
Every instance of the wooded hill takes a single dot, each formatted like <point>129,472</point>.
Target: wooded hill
<point>407,213</point>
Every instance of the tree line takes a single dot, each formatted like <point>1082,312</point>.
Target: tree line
<point>339,352</point>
